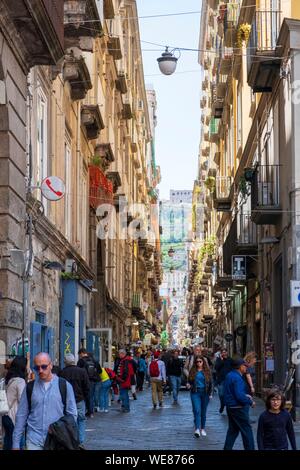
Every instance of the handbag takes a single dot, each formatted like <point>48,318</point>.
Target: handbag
<point>4,408</point>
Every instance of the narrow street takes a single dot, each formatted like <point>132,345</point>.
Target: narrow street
<point>170,427</point>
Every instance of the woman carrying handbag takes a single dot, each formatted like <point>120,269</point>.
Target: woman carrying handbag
<point>14,386</point>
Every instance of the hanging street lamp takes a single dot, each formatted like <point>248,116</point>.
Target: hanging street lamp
<point>168,61</point>
<point>171,252</point>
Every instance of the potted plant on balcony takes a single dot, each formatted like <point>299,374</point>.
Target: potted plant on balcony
<point>244,188</point>
<point>249,174</point>
<point>210,183</point>
<point>243,34</point>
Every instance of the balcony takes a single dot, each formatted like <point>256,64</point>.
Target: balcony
<point>109,11</point>
<point>262,66</point>
<point>101,189</point>
<point>137,305</point>
<point>115,178</point>
<point>114,47</point>
<point>217,108</point>
<point>91,120</point>
<point>222,200</point>
<point>77,74</point>
<point>77,15</point>
<point>241,239</point>
<point>105,153</point>
<point>127,109</point>
<point>121,83</point>
<point>40,26</point>
<point>265,195</point>
<point>231,19</point>
<point>226,60</point>
<point>221,86</point>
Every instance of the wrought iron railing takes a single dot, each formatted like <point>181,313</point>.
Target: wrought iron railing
<point>223,187</point>
<point>264,31</point>
<point>246,230</point>
<point>265,187</point>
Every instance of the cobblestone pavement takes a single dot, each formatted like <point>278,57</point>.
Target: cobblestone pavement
<point>170,427</point>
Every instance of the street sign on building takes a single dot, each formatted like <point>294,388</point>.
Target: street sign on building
<point>295,293</point>
<point>53,188</point>
<point>238,264</point>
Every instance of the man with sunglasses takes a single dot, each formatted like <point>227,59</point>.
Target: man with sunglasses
<point>46,405</point>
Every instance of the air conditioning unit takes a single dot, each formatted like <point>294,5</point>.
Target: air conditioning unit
<point>71,266</point>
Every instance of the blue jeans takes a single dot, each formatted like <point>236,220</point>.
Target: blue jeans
<point>92,396</point>
<point>104,394</point>
<point>221,394</point>
<point>175,382</point>
<point>238,422</point>
<point>81,420</point>
<point>199,402</point>
<point>124,396</point>
<point>97,395</point>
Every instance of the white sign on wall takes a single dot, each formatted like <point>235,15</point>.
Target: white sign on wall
<point>295,293</point>
<point>53,188</point>
<point>238,267</point>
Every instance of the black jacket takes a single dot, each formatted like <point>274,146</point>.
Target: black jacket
<point>222,367</point>
<point>62,435</point>
<point>79,380</point>
<point>174,367</point>
<point>83,364</point>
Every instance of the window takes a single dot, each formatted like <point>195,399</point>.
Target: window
<point>67,198</point>
<point>41,133</point>
<point>239,119</point>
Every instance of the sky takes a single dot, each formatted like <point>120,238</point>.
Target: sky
<point>178,96</point>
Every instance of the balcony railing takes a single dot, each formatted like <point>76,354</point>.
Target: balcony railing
<point>222,198</point>
<point>246,230</point>
<point>265,194</point>
<point>261,50</point>
<point>137,304</point>
<point>223,187</point>
<point>101,188</point>
<point>265,31</point>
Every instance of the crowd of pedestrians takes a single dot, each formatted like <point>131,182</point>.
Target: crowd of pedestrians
<point>48,407</point>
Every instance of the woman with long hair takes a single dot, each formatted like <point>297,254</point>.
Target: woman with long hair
<point>251,359</point>
<point>14,385</point>
<point>200,384</point>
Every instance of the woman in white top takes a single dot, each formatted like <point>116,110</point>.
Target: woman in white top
<point>14,385</point>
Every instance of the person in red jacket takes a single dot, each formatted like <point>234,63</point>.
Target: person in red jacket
<point>125,373</point>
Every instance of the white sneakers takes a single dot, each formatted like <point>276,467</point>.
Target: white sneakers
<point>202,432</point>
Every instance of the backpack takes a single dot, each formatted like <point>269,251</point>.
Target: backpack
<point>110,372</point>
<point>62,383</point>
<point>91,368</point>
<point>154,369</point>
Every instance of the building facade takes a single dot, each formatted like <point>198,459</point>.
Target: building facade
<point>248,181</point>
<point>76,109</point>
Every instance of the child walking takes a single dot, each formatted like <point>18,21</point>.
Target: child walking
<point>275,425</point>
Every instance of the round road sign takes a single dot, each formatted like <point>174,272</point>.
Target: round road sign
<point>53,188</point>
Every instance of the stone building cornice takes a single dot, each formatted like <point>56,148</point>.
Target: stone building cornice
<point>55,240</point>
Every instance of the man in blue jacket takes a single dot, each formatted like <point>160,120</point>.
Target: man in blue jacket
<point>237,405</point>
